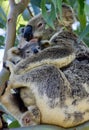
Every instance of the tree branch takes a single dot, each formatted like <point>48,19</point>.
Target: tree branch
<point>15,10</point>
<point>11,3</point>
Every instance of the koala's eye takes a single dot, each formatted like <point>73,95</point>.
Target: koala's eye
<point>39,47</point>
<point>40,24</point>
<point>27,51</point>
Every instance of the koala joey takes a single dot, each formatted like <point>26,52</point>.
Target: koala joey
<point>16,54</point>
<point>59,56</point>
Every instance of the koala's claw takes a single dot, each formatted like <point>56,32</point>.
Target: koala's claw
<point>5,65</point>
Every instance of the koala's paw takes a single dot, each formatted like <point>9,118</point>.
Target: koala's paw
<point>31,117</point>
<point>5,65</point>
<point>26,119</point>
<point>10,65</point>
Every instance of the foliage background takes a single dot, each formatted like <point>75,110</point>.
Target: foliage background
<point>80,7</point>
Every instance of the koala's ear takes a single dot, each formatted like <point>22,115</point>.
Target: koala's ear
<point>45,44</point>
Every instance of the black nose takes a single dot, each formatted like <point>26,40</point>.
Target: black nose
<point>35,50</point>
<point>28,35</point>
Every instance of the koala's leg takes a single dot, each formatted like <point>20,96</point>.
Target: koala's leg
<point>31,117</point>
<point>27,96</point>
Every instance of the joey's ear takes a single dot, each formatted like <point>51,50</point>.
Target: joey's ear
<point>45,44</point>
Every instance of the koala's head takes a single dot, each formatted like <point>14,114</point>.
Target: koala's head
<point>32,47</point>
<point>38,28</point>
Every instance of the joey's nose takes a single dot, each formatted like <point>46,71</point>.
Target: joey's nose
<point>35,51</point>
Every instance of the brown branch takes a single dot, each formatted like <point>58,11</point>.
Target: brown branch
<point>15,10</point>
<point>11,3</point>
<point>30,12</point>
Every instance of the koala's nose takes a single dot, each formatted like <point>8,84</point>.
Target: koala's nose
<point>35,50</point>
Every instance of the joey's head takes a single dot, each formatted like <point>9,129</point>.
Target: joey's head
<point>38,28</point>
<point>32,47</point>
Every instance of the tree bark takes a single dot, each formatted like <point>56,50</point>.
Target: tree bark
<point>15,10</point>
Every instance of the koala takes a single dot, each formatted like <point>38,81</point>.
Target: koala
<point>16,54</point>
<point>54,96</point>
<point>56,55</point>
<point>44,72</point>
<point>50,89</point>
<point>39,30</point>
<point>50,92</point>
<point>71,39</point>
<point>55,91</point>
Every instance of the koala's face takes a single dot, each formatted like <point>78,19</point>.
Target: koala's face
<point>29,49</point>
<point>38,28</point>
<point>32,47</point>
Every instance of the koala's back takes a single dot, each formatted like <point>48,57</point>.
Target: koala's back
<point>55,98</point>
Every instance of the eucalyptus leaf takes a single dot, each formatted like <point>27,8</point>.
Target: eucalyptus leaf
<point>14,124</point>
<point>26,15</point>
<point>81,13</point>
<point>84,33</point>
<point>59,5</point>
<point>36,2</point>
<point>2,13</point>
<point>36,9</point>
<point>48,17</point>
<point>3,18</point>
<point>2,40</point>
<point>81,6</point>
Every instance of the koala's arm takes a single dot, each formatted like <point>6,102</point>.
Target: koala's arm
<point>11,52</point>
<point>56,55</point>
<point>11,66</point>
<point>27,96</point>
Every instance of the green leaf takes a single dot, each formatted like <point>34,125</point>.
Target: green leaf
<point>2,40</point>
<point>59,5</point>
<point>2,18</point>
<point>56,8</point>
<point>81,6</point>
<point>48,17</point>
<point>26,15</point>
<point>36,2</point>
<point>81,14</point>
<point>2,14</point>
<point>14,124</point>
<point>84,33</point>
